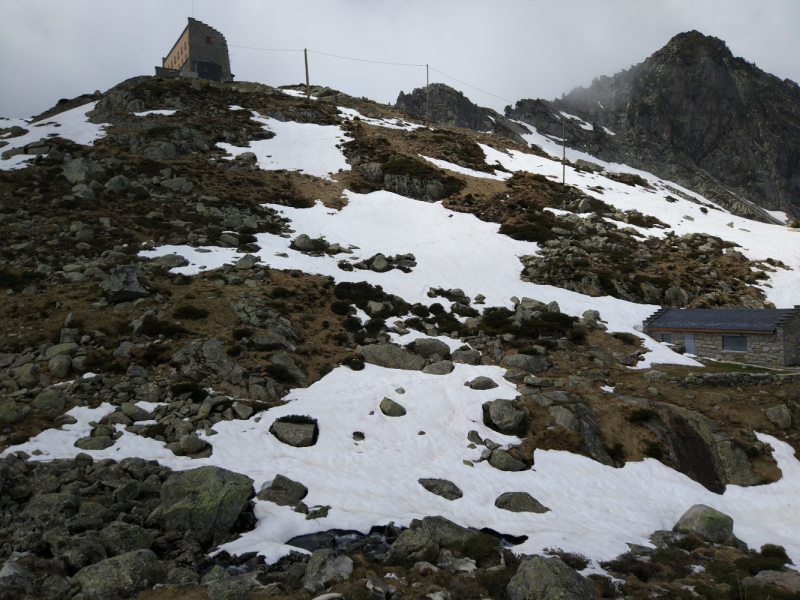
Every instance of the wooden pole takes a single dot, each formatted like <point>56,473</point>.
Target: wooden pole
<point>428,91</point>
<point>564,158</point>
<point>308,89</point>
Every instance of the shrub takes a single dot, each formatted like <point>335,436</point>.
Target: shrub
<point>653,450</point>
<point>577,561</point>
<point>340,307</point>
<point>576,335</point>
<point>374,326</point>
<point>482,547</point>
<point>281,292</point>
<point>353,362</point>
<point>625,337</point>
<point>608,589</point>
<point>421,311</point>
<point>190,312</point>
<point>530,232</point>
<point>153,327</point>
<point>352,324</point>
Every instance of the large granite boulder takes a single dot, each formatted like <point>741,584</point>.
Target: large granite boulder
<point>541,578</point>
<point>706,522</point>
<point>122,576</point>
<point>206,500</point>
<point>392,357</point>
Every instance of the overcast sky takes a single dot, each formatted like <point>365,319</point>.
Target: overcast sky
<point>515,49</point>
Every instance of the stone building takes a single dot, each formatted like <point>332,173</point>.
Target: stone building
<point>760,336</point>
<point>201,51</point>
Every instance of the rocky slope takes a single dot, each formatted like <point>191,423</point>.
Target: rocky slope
<point>106,346</point>
<point>692,113</point>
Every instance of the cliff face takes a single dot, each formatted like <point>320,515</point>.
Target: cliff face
<point>693,113</point>
<point>451,108</point>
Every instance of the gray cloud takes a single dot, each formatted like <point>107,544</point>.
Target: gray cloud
<point>511,48</point>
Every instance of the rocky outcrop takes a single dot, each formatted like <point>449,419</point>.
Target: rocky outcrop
<point>451,108</point>
<point>694,114</point>
<point>697,446</point>
<point>542,578</point>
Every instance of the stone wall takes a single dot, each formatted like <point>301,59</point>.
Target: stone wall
<point>215,51</point>
<point>790,331</point>
<point>766,350</point>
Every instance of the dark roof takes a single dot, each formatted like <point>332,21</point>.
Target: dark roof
<point>724,319</point>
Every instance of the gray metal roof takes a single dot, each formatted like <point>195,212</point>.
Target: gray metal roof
<point>725,319</point>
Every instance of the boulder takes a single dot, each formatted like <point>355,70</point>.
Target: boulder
<point>780,416</point>
<point>179,185</point>
<point>707,523</point>
<point>27,375</point>
<point>787,581</point>
<point>283,492</point>
<point>325,568</point>
<point>526,362</point>
<point>411,546</point>
<point>100,442</point>
<point>134,412</point>
<point>299,435</point>
<point>379,264</point>
<point>391,408</point>
<point>520,502</point>
<point>49,508</point>
<point>65,349</point>
<point>13,412</point>
<point>120,537</point>
<point>125,284</point>
<point>392,357</point>
<point>443,367</point>
<point>505,418</point>
<point>81,170</point>
<point>50,402</point>
<point>206,500</point>
<point>503,461</point>
<point>170,261</point>
<point>467,357</point>
<point>303,243</point>
<point>118,183</point>
<point>442,487</point>
<point>541,578</point>
<point>59,366</point>
<point>443,531</point>
<point>208,355</point>
<point>427,347</point>
<point>122,576</point>
<point>482,383</point>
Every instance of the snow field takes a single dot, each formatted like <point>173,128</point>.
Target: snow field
<point>453,250</point>
<point>595,510</point>
<point>71,125</point>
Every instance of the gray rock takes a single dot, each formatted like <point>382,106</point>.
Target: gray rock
<point>50,402</point>
<point>232,588</point>
<point>67,348</point>
<point>179,185</point>
<point>122,576</point>
<point>118,183</point>
<point>565,417</point>
<point>482,383</point>
<point>380,264</point>
<point>59,366</point>
<point>442,487</point>
<point>392,357</point>
<point>120,537</point>
<point>467,357</point>
<point>443,367</point>
<point>248,261</point>
<point>125,284</point>
<point>541,578</point>
<point>191,444</point>
<point>283,492</point>
<point>707,523</point>
<point>182,576</point>
<point>13,412</point>
<point>520,502</point>
<point>83,169</point>
<point>303,243</point>
<point>788,581</point>
<point>27,375</point>
<point>134,412</point>
<point>443,531</point>
<point>206,500</point>
<point>299,435</point>
<point>526,362</point>
<point>326,568</point>
<point>427,347</point>
<point>412,545</point>
<point>208,355</point>
<point>503,461</point>
<point>391,408</point>
<point>100,442</point>
<point>170,261</point>
<point>661,539</point>
<point>504,416</point>
<point>780,416</point>
<point>242,411</point>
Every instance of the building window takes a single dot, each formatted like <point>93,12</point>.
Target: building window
<point>208,39</point>
<point>734,343</point>
<point>666,337</point>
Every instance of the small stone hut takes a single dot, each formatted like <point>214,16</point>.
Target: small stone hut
<point>759,336</point>
<point>201,51</point>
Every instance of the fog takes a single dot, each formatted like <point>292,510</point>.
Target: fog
<point>511,49</point>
